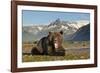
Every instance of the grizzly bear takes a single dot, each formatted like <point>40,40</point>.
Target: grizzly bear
<point>50,45</point>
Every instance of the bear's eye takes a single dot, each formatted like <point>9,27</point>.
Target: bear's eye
<point>55,40</point>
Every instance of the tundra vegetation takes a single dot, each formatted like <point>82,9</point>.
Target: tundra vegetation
<point>74,50</point>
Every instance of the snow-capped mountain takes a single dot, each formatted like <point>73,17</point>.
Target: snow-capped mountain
<point>67,26</point>
<point>61,25</point>
<point>38,31</point>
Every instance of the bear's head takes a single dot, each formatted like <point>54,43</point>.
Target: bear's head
<point>55,39</point>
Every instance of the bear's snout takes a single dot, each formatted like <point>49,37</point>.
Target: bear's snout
<point>56,45</point>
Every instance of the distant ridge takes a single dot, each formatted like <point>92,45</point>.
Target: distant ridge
<point>72,30</point>
<point>82,33</point>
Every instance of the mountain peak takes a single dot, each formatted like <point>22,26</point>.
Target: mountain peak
<point>56,22</point>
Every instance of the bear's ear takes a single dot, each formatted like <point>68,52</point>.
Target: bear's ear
<point>50,33</point>
<point>61,32</point>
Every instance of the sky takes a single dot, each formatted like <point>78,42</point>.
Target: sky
<point>32,17</point>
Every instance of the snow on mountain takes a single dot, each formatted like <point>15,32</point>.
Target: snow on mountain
<point>63,27</point>
<point>40,28</point>
<point>82,23</point>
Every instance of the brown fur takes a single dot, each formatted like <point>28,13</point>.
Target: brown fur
<point>51,45</point>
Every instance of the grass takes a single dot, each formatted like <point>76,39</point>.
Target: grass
<point>37,58</point>
<point>73,52</point>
